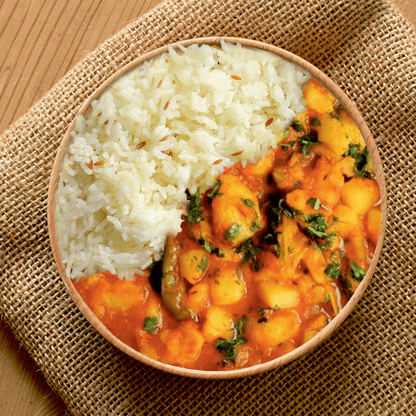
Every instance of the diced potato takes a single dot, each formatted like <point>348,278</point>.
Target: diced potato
<point>154,315</point>
<point>261,167</point>
<point>347,220</point>
<point>315,327</point>
<point>277,296</point>
<point>227,286</point>
<point>360,194</point>
<point>219,324</point>
<point>236,212</point>
<point>315,262</point>
<point>304,284</point>
<point>347,166</point>
<point>353,131</point>
<point>194,263</point>
<point>334,133</point>
<point>373,224</point>
<point>357,247</point>
<point>282,326</point>
<point>271,270</point>
<point>297,199</point>
<point>198,297</point>
<point>318,98</point>
<point>293,245</point>
<point>336,177</point>
<point>317,294</point>
<point>184,344</point>
<point>287,178</point>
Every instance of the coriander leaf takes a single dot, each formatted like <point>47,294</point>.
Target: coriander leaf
<point>337,111</point>
<point>195,213</point>
<point>228,347</point>
<point>315,121</point>
<point>307,141</point>
<point>203,265</point>
<point>357,272</point>
<point>215,190</point>
<point>250,252</point>
<point>332,271</point>
<point>210,248</point>
<point>151,324</point>
<point>297,126</point>
<point>361,159</point>
<point>248,202</point>
<point>233,231</point>
<point>276,210</point>
<point>287,133</point>
<point>317,226</point>
<point>314,203</point>
<point>286,146</point>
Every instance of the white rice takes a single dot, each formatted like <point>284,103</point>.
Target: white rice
<point>117,215</point>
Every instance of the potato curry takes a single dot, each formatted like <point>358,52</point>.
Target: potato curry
<point>265,259</point>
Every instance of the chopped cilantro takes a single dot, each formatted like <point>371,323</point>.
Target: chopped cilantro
<point>195,213</point>
<point>214,192</point>
<point>250,253</point>
<point>276,212</point>
<point>297,126</point>
<point>210,248</point>
<point>317,226</point>
<point>287,133</point>
<point>203,265</point>
<point>357,272</point>
<point>233,231</point>
<point>314,203</point>
<point>337,111</point>
<point>361,159</point>
<point>315,121</point>
<point>151,324</point>
<point>228,347</point>
<point>286,146</point>
<point>332,271</point>
<point>249,203</point>
<point>307,141</point>
<point>255,226</point>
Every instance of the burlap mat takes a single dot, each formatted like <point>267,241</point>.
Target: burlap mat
<point>368,366</point>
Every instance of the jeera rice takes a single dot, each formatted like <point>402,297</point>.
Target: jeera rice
<point>168,126</point>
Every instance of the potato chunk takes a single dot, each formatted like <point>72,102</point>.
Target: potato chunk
<point>360,194</point>
<point>347,220</point>
<point>282,326</point>
<point>236,213</point>
<point>334,134</point>
<point>227,287</point>
<point>373,224</point>
<point>184,344</point>
<point>219,324</point>
<point>194,264</point>
<point>198,297</point>
<point>278,296</point>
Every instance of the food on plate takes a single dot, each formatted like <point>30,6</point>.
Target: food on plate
<point>266,256</point>
<point>167,127</point>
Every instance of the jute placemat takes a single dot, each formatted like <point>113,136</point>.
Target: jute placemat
<point>368,367</point>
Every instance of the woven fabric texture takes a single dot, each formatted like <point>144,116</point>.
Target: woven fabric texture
<point>368,366</point>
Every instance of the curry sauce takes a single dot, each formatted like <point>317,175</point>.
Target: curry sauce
<point>265,259</point>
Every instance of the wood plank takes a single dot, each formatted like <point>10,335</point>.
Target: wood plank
<point>44,39</point>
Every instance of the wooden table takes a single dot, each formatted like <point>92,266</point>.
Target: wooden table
<point>39,42</point>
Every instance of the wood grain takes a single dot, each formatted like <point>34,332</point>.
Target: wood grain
<point>40,40</point>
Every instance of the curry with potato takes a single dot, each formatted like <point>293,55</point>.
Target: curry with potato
<point>265,259</point>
